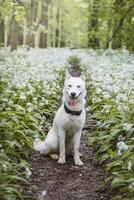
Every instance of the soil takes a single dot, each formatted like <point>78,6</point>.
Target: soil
<point>67,181</point>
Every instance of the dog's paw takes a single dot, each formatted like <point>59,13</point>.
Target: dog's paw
<point>78,162</point>
<point>61,160</point>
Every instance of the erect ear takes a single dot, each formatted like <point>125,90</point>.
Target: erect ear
<point>82,76</point>
<point>68,75</point>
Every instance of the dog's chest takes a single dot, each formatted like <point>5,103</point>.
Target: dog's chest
<point>73,123</point>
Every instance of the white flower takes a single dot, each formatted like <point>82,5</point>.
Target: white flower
<point>119,152</point>
<point>29,104</point>
<point>131,186</point>
<point>35,99</point>
<point>131,101</point>
<point>128,127</point>
<point>30,92</point>
<point>30,87</point>
<point>10,102</point>
<point>96,100</point>
<point>41,104</point>
<point>23,96</point>
<point>123,108</point>
<point>121,97</point>
<point>5,100</point>
<point>121,138</point>
<point>129,167</point>
<point>2,150</point>
<point>116,89</point>
<point>18,107</point>
<point>121,146</point>
<point>42,195</point>
<point>106,95</point>
<point>28,172</point>
<point>30,109</point>
<point>106,108</point>
<point>98,90</point>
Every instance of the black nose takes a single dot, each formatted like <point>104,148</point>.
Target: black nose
<point>73,94</point>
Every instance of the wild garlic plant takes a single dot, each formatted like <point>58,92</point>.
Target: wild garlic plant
<point>111,95</point>
<point>30,89</point>
<point>27,105</point>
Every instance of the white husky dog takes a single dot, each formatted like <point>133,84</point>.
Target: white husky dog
<point>64,137</point>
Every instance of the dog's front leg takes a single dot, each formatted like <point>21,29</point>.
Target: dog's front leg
<point>62,146</point>
<point>77,137</point>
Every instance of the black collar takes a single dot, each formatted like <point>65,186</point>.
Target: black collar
<point>77,113</point>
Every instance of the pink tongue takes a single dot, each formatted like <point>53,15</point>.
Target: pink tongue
<point>73,102</point>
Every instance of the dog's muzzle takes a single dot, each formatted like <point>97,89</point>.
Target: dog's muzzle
<point>73,95</point>
<point>73,98</point>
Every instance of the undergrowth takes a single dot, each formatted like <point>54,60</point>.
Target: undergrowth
<point>113,141</point>
<point>25,113</point>
<point>30,93</point>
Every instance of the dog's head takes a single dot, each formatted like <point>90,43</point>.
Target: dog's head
<point>74,89</point>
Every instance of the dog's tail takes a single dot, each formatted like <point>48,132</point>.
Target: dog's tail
<point>38,145</point>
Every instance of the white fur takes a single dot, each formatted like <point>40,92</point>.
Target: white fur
<point>64,137</point>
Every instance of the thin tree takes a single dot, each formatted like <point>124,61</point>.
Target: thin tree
<point>14,38</point>
<point>44,23</point>
<point>93,28</point>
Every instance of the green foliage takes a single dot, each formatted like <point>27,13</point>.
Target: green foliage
<point>6,8</point>
<point>25,114</point>
<point>72,23</point>
<point>118,166</point>
<point>75,66</point>
<point>74,61</point>
<point>19,13</point>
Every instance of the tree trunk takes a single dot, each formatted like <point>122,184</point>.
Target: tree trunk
<point>31,16</point>
<point>116,37</point>
<point>62,37</point>
<point>129,34</point>
<point>57,24</point>
<point>117,40</point>
<point>1,33</point>
<point>6,30</point>
<point>14,34</point>
<point>44,23</point>
<point>93,39</point>
<point>54,28</point>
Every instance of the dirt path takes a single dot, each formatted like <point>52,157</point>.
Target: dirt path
<point>67,182</point>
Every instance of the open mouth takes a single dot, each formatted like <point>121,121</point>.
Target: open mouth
<point>73,99</point>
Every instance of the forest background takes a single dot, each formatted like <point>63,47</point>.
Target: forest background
<point>67,23</point>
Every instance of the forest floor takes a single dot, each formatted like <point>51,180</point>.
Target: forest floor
<point>31,89</point>
<point>67,182</point>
